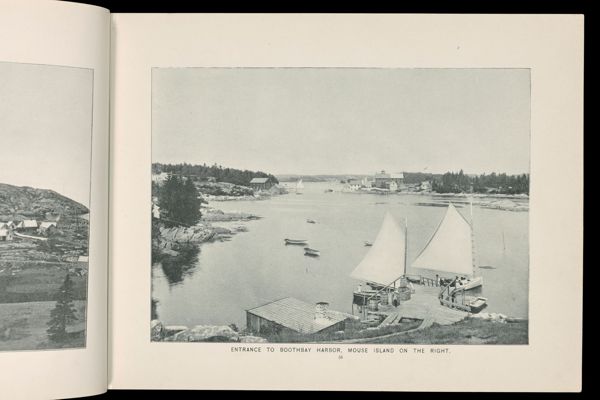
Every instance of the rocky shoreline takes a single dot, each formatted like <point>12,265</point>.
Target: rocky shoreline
<point>484,328</point>
<point>199,333</point>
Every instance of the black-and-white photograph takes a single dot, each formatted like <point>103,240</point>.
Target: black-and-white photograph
<point>45,160</point>
<point>338,205</point>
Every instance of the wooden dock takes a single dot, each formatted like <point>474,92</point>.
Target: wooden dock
<point>424,305</point>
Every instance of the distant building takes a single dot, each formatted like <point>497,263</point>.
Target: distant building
<point>292,315</point>
<point>210,179</point>
<point>383,180</point>
<point>425,186</point>
<point>355,184</point>
<point>27,226</point>
<point>160,178</point>
<point>6,232</point>
<point>155,211</point>
<point>47,227</point>
<point>261,183</point>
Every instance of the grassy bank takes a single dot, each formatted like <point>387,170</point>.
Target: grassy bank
<point>38,281</point>
<point>467,331</point>
<point>23,326</point>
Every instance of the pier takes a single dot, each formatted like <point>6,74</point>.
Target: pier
<point>423,305</point>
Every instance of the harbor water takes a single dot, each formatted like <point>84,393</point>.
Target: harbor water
<point>256,267</point>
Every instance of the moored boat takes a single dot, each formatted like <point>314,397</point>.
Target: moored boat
<point>453,296</point>
<point>311,221</point>
<point>311,252</point>
<point>296,241</point>
<point>368,244</point>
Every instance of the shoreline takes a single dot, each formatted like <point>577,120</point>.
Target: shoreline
<point>487,329</point>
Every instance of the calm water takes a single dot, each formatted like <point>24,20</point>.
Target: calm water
<point>256,267</point>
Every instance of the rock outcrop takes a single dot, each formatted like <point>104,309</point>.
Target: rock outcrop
<point>25,202</point>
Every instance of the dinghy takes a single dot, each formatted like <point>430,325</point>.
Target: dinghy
<point>296,241</point>
<point>311,252</point>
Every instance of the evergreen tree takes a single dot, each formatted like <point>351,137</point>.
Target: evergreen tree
<point>179,202</point>
<point>63,314</point>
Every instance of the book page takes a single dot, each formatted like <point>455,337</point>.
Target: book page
<point>346,202</point>
<point>54,85</point>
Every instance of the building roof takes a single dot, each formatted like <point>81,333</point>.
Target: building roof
<point>28,223</point>
<point>47,224</point>
<point>259,180</point>
<point>298,315</point>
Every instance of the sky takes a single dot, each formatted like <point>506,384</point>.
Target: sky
<point>46,128</point>
<point>343,120</point>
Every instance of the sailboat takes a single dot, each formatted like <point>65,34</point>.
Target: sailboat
<point>299,187</point>
<point>384,265</point>
<point>450,250</point>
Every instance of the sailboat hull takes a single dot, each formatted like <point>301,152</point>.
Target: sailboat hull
<point>474,282</point>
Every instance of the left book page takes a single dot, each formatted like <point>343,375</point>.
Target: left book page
<point>54,86</point>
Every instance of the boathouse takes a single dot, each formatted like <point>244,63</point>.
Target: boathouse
<point>290,315</point>
<point>261,183</point>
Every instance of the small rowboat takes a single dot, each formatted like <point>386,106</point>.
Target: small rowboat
<point>311,252</point>
<point>296,241</point>
<point>368,244</point>
<point>470,283</point>
<point>311,221</point>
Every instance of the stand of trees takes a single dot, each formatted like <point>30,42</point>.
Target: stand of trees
<point>203,172</point>
<point>452,182</point>
<point>179,202</point>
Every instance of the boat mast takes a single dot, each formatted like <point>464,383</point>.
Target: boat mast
<point>405,242</point>
<point>472,232</point>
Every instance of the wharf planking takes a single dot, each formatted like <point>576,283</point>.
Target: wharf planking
<point>424,305</point>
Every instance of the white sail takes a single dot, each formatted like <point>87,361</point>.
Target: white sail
<point>299,185</point>
<point>450,249</point>
<point>385,261</point>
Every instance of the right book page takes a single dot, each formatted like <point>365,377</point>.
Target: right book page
<point>360,202</point>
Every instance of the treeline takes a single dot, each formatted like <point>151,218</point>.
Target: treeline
<point>417,177</point>
<point>452,182</point>
<point>220,174</point>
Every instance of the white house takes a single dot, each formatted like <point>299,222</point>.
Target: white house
<point>6,233</point>
<point>355,184</point>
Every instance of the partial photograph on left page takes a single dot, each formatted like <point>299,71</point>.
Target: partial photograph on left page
<point>45,161</point>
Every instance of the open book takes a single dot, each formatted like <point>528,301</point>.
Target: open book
<point>350,202</point>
